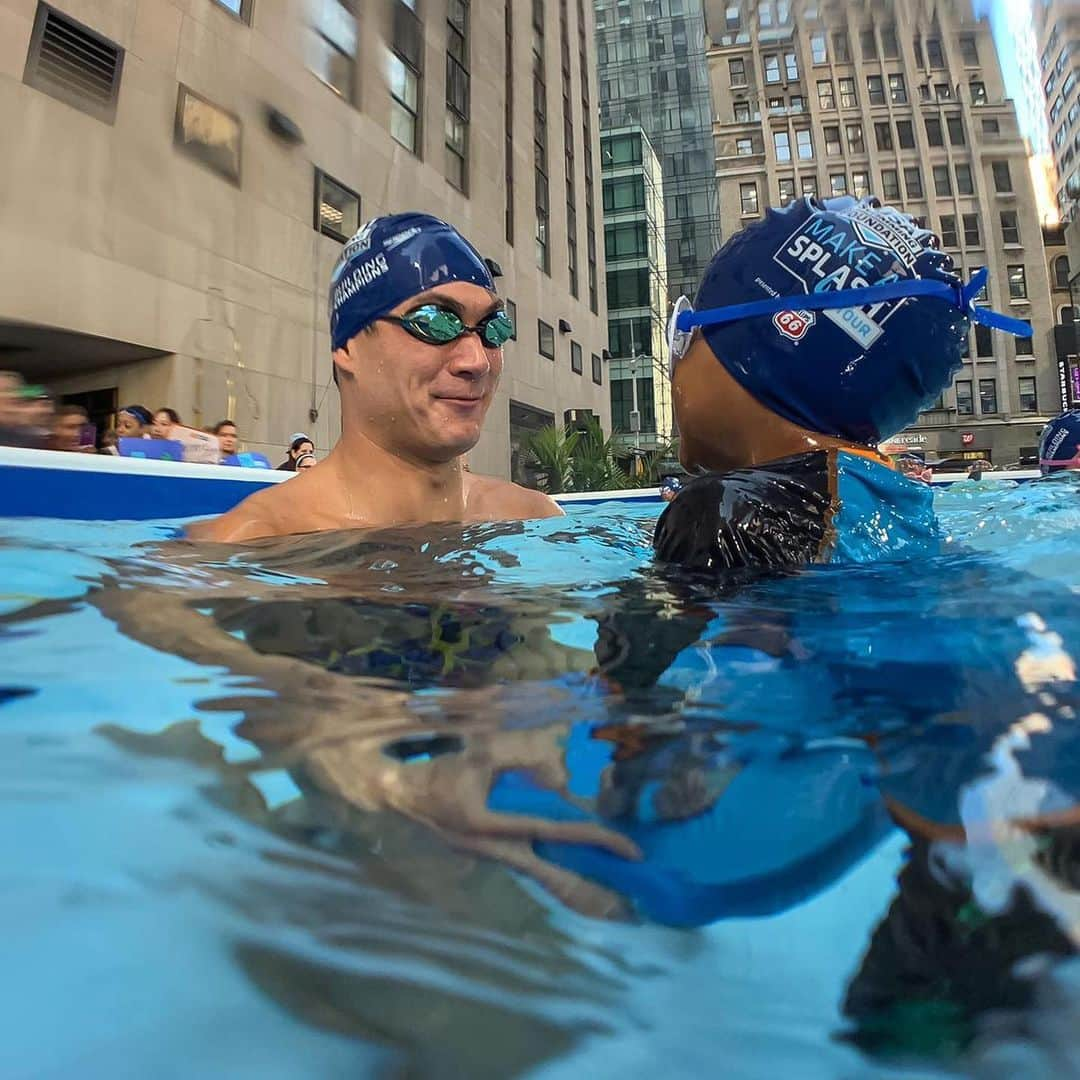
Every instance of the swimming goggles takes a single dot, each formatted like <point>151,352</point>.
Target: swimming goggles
<point>685,320</point>
<point>439,326</point>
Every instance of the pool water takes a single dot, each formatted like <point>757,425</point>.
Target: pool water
<point>510,800</point>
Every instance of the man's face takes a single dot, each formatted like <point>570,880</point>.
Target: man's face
<point>227,439</point>
<point>67,430</point>
<point>418,399</point>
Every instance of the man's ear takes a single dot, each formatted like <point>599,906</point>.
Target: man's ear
<point>344,364</point>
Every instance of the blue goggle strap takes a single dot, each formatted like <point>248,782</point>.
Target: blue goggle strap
<point>961,296</point>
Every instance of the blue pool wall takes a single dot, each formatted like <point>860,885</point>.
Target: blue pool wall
<point>87,487</point>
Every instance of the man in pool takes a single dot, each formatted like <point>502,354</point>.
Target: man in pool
<point>815,334</point>
<point>417,331</point>
<point>1059,447</point>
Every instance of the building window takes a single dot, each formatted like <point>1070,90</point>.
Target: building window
<point>856,145</point>
<point>868,44</point>
<point>630,337</point>
<point>597,370</point>
<point>949,235</point>
<point>457,92</point>
<point>621,150</point>
<point>545,336</point>
<point>404,92</point>
<point>942,91</point>
<point>737,72</point>
<point>964,183</point>
<point>905,135</point>
<point>934,53</point>
<point>791,66</point>
<point>913,182</point>
<point>860,184</point>
<point>742,112</point>
<point>832,141</point>
<point>848,98</point>
<point>626,240</point>
<point>1017,282</point>
<point>988,396</point>
<point>965,406</point>
<point>838,183</point>
<point>972,235</point>
<point>809,186</point>
<point>942,180</point>
<point>748,199</point>
<point>983,295</point>
<point>819,52</point>
<point>541,190</point>
<point>897,90</point>
<point>984,341</point>
<point>511,310</point>
<point>1028,399</point>
<point>934,134</point>
<point>744,147</point>
<point>75,65</point>
<point>1061,270</point>
<point>624,193</point>
<point>1025,346</point>
<point>969,52</point>
<point>875,89</point>
<point>890,184</point>
<point>337,208</point>
<point>575,358</point>
<point>208,133</point>
<point>772,69</point>
<point>1010,231</point>
<point>978,97</point>
<point>805,144</point>
<point>240,8</point>
<point>956,130</point>
<point>883,135</point>
<point>826,95</point>
<point>782,146</point>
<point>1002,177</point>
<point>333,46</point>
<point>786,190</point>
<point>628,288</point>
<point>841,47</point>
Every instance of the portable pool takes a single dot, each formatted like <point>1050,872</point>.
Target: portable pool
<point>510,800</point>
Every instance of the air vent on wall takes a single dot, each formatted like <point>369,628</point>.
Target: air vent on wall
<point>70,62</point>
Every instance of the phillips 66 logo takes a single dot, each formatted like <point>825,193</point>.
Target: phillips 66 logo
<point>793,324</point>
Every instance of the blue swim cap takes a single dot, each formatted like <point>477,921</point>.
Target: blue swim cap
<point>860,374</point>
<point>1059,447</point>
<point>392,258</point>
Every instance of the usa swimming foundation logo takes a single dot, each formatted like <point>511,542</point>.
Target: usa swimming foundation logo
<point>849,250</point>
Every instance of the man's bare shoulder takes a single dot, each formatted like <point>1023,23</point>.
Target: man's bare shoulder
<point>491,499</point>
<point>258,516</point>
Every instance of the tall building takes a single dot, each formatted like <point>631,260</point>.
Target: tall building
<point>636,289</point>
<point>181,175</point>
<point>1057,30</point>
<point>1065,339</point>
<point>903,100</point>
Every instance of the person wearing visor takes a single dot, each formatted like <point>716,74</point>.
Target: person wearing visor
<point>815,334</point>
<point>1059,447</point>
<point>417,330</point>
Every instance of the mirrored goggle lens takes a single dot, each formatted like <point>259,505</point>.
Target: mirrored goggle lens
<point>497,329</point>
<point>678,341</point>
<point>434,324</point>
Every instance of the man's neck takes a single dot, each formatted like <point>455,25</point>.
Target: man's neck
<point>381,485</point>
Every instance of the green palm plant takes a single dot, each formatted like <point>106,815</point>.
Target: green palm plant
<point>551,450</point>
<point>595,466</point>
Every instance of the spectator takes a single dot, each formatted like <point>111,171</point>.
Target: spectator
<point>976,470</point>
<point>108,443</point>
<point>670,487</point>
<point>301,444</point>
<point>228,440</point>
<point>37,415</point>
<point>132,422</point>
<point>164,421</point>
<point>11,417</point>
<point>69,422</point>
<point>305,461</point>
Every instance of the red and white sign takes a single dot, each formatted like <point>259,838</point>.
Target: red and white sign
<point>967,437</point>
<point>793,324</point>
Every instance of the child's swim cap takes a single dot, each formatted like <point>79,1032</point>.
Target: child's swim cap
<point>392,258</point>
<point>860,374</point>
<point>1059,447</point>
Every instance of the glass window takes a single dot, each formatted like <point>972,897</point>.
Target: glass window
<point>1025,346</point>
<point>597,370</point>
<point>240,8</point>
<point>897,90</point>
<point>805,144</point>
<point>628,288</point>
<point>748,199</point>
<point>576,365</point>
<point>826,95</point>
<point>1002,176</point>
<point>838,183</point>
<point>624,193</point>
<point>984,341</point>
<point>848,98</point>
<point>511,310</point>
<point>950,238</point>
<point>798,103</point>
<point>883,135</point>
<point>890,47</point>
<point>782,145</point>
<point>983,295</point>
<point>1017,282</point>
<point>964,184</point>
<point>978,95</point>
<point>818,48</point>
<point>1027,398</point>
<point>841,47</point>
<point>1010,230</point>
<point>208,133</point>
<point>942,91</point>
<point>905,134</point>
<point>786,189</point>
<point>737,71</point>
<point>545,338</point>
<point>772,68</point>
<point>457,141</point>
<point>621,150</point>
<point>934,135</point>
<point>867,43</point>
<point>965,406</point>
<point>1061,270</point>
<point>856,145</point>
<point>875,88</point>
<point>832,140</point>
<point>988,396</point>
<point>991,127</point>
<point>809,186</point>
<point>956,130</point>
<point>934,53</point>
<point>860,184</point>
<point>626,240</point>
<point>890,184</point>
<point>972,233</point>
<point>333,46</point>
<point>337,209</point>
<point>742,112</point>
<point>791,66</point>
<point>913,182</point>
<point>404,83</point>
<point>969,51</point>
<point>744,147</point>
<point>942,180</point>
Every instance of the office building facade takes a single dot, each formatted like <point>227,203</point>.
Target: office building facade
<point>1057,30</point>
<point>182,175</point>
<point>904,101</point>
